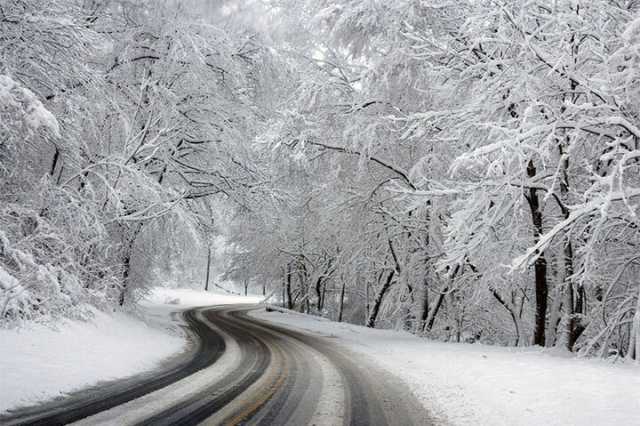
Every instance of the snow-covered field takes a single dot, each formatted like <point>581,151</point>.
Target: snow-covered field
<point>464,384</point>
<point>38,363</point>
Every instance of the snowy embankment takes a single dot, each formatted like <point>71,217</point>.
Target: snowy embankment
<point>465,384</point>
<point>38,363</point>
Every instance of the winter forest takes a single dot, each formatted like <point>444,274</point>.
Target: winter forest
<point>467,170</point>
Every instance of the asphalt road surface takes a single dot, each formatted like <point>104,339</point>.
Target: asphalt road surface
<point>242,371</point>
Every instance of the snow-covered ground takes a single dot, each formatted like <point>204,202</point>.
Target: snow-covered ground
<point>38,363</point>
<point>465,384</point>
<point>460,384</point>
<point>185,298</point>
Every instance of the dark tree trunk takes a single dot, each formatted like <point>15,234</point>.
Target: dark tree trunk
<point>577,326</point>
<point>126,265</point>
<point>511,311</point>
<point>377,302</point>
<point>540,267</point>
<point>288,286</point>
<point>409,318</point>
<point>367,307</point>
<point>303,286</point>
<point>284,287</point>
<point>318,290</point>
<point>321,285</point>
<point>434,311</point>
<point>323,295</point>
<point>541,301</point>
<point>425,304</point>
<point>206,282</point>
<point>341,306</point>
<point>54,163</point>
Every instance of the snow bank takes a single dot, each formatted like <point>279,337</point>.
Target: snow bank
<point>465,384</point>
<point>39,363</point>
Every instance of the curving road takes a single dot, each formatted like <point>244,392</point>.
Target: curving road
<point>243,371</point>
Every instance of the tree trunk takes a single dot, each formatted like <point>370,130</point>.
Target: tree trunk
<point>318,289</point>
<point>324,295</point>
<point>288,286</point>
<point>54,163</point>
<point>321,285</point>
<point>540,267</point>
<point>367,308</point>
<point>284,287</point>
<point>425,303</point>
<point>431,319</point>
<point>409,317</point>
<point>303,286</point>
<point>377,302</point>
<point>514,317</point>
<point>341,306</point>
<point>126,265</point>
<point>574,298</point>
<point>634,335</point>
<point>206,282</point>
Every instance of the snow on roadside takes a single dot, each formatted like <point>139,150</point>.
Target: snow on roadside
<point>188,298</point>
<point>38,363</point>
<point>464,384</point>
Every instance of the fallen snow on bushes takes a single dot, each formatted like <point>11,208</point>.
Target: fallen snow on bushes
<point>38,363</point>
<point>465,384</point>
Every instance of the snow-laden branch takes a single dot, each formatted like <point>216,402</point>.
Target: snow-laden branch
<point>600,204</point>
<point>386,164</point>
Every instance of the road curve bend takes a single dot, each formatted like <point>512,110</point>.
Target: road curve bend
<point>245,371</point>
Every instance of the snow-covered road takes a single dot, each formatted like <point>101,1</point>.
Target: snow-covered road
<point>254,373</point>
<point>39,363</point>
<point>274,365</point>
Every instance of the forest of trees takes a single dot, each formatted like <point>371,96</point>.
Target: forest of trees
<point>465,170</point>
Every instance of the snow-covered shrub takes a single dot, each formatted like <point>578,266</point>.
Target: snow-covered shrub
<point>23,120</point>
<point>42,272</point>
<point>15,297</point>
<point>52,242</point>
